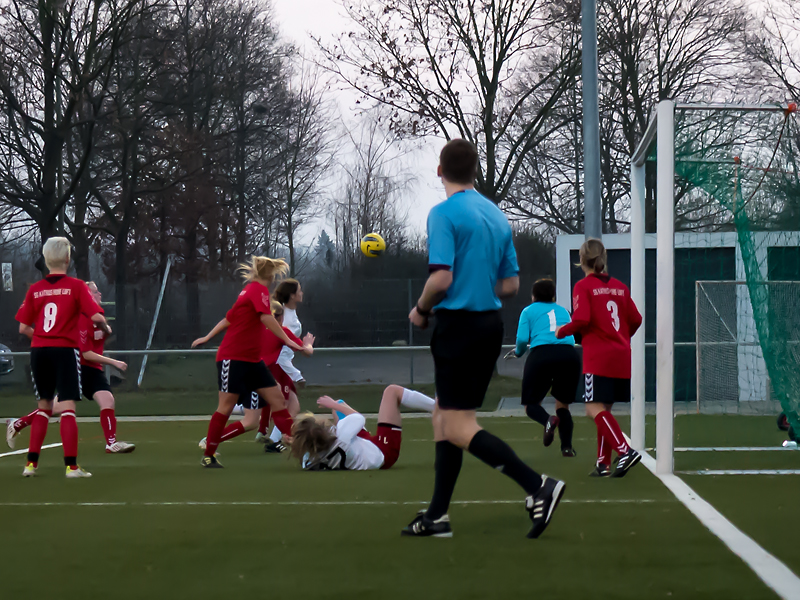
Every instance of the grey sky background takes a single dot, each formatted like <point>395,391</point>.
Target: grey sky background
<point>297,19</point>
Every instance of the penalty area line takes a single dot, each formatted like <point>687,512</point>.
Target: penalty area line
<point>769,569</point>
<point>25,450</point>
<point>326,503</point>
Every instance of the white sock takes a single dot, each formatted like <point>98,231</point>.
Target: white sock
<point>276,435</point>
<point>417,400</point>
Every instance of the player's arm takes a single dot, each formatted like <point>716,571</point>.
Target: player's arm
<point>523,334</point>
<point>633,315</point>
<point>307,342</point>
<point>435,288</point>
<point>272,324</point>
<point>92,356</point>
<point>101,322</point>
<point>507,285</point>
<point>331,404</point>
<point>25,316</point>
<point>581,315</point>
<point>441,257</point>
<point>26,330</point>
<point>218,328</point>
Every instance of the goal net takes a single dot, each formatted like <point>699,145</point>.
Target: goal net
<point>732,374</point>
<point>728,303</point>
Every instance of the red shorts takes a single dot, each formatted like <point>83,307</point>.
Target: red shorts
<point>284,381</point>
<point>387,438</point>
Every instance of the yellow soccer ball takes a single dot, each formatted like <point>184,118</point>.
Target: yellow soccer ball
<point>372,245</point>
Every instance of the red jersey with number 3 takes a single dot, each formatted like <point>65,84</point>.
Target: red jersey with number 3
<point>53,307</point>
<point>606,317</point>
<point>245,337</point>
<point>92,339</point>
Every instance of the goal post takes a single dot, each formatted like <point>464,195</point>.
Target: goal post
<point>735,171</point>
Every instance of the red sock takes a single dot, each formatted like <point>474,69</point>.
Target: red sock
<point>263,423</point>
<point>231,431</point>
<point>25,421</point>
<point>215,428</point>
<point>39,422</point>
<point>608,427</point>
<point>603,451</point>
<point>108,421</point>
<point>69,436</point>
<point>283,421</point>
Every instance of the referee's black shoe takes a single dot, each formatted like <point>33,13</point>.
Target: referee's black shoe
<point>543,504</point>
<point>626,462</point>
<point>422,526</point>
<point>600,470</point>
<point>211,462</point>
<point>274,447</point>
<point>550,430</point>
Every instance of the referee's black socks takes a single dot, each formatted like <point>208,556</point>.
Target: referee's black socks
<point>565,427</point>
<point>448,465</point>
<point>496,453</point>
<point>537,413</point>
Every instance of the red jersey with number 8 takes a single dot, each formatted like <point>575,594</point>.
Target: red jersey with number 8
<point>53,306</point>
<point>606,317</point>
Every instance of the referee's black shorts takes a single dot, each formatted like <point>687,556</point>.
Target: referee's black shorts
<point>554,368</point>
<point>465,346</point>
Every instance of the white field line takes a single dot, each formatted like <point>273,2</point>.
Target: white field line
<point>742,472</point>
<point>776,575</point>
<point>738,449</point>
<point>328,503</point>
<point>25,450</point>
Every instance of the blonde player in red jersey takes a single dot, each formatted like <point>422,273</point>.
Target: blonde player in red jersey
<point>49,316</point>
<point>255,408</point>
<point>606,317</point>
<point>240,369</point>
<point>94,384</point>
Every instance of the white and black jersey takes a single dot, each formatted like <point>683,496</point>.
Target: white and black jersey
<point>349,452</point>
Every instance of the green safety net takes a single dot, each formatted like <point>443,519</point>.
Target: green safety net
<point>737,204</point>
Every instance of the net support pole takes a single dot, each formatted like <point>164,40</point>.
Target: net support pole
<point>637,294</point>
<point>592,209</point>
<point>665,286</point>
<point>155,320</point>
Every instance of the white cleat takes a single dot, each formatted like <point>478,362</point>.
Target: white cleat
<point>29,471</point>
<point>11,433</point>
<point>120,448</point>
<point>202,444</point>
<point>77,473</point>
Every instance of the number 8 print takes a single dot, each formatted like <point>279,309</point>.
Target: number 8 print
<point>614,310</point>
<point>50,311</point>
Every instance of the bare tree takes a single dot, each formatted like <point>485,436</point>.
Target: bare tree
<point>448,67</point>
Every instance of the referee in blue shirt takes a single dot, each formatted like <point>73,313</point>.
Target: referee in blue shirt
<point>472,264</point>
<point>553,364</point>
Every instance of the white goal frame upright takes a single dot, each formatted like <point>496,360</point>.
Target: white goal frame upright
<point>661,128</point>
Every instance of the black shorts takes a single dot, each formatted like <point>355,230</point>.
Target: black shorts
<point>93,381</point>
<point>606,390</point>
<point>554,368</point>
<point>252,401</point>
<point>465,346</point>
<point>239,377</point>
<point>56,371</point>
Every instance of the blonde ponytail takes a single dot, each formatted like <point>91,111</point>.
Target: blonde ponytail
<point>261,267</point>
<point>593,256</point>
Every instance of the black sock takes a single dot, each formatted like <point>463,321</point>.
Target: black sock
<point>33,457</point>
<point>565,427</point>
<point>496,453</point>
<point>448,465</point>
<point>71,461</point>
<point>537,413</point>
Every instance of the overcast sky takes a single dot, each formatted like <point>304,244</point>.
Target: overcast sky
<point>325,18</point>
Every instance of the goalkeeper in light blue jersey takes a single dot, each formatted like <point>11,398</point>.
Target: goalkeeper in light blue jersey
<point>553,364</point>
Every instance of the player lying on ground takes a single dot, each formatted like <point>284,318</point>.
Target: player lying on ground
<point>256,410</point>
<point>240,368</point>
<point>606,317</point>
<point>553,364</point>
<point>94,384</point>
<point>321,446</point>
<point>49,316</point>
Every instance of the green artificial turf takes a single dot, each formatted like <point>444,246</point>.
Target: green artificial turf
<point>648,546</point>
